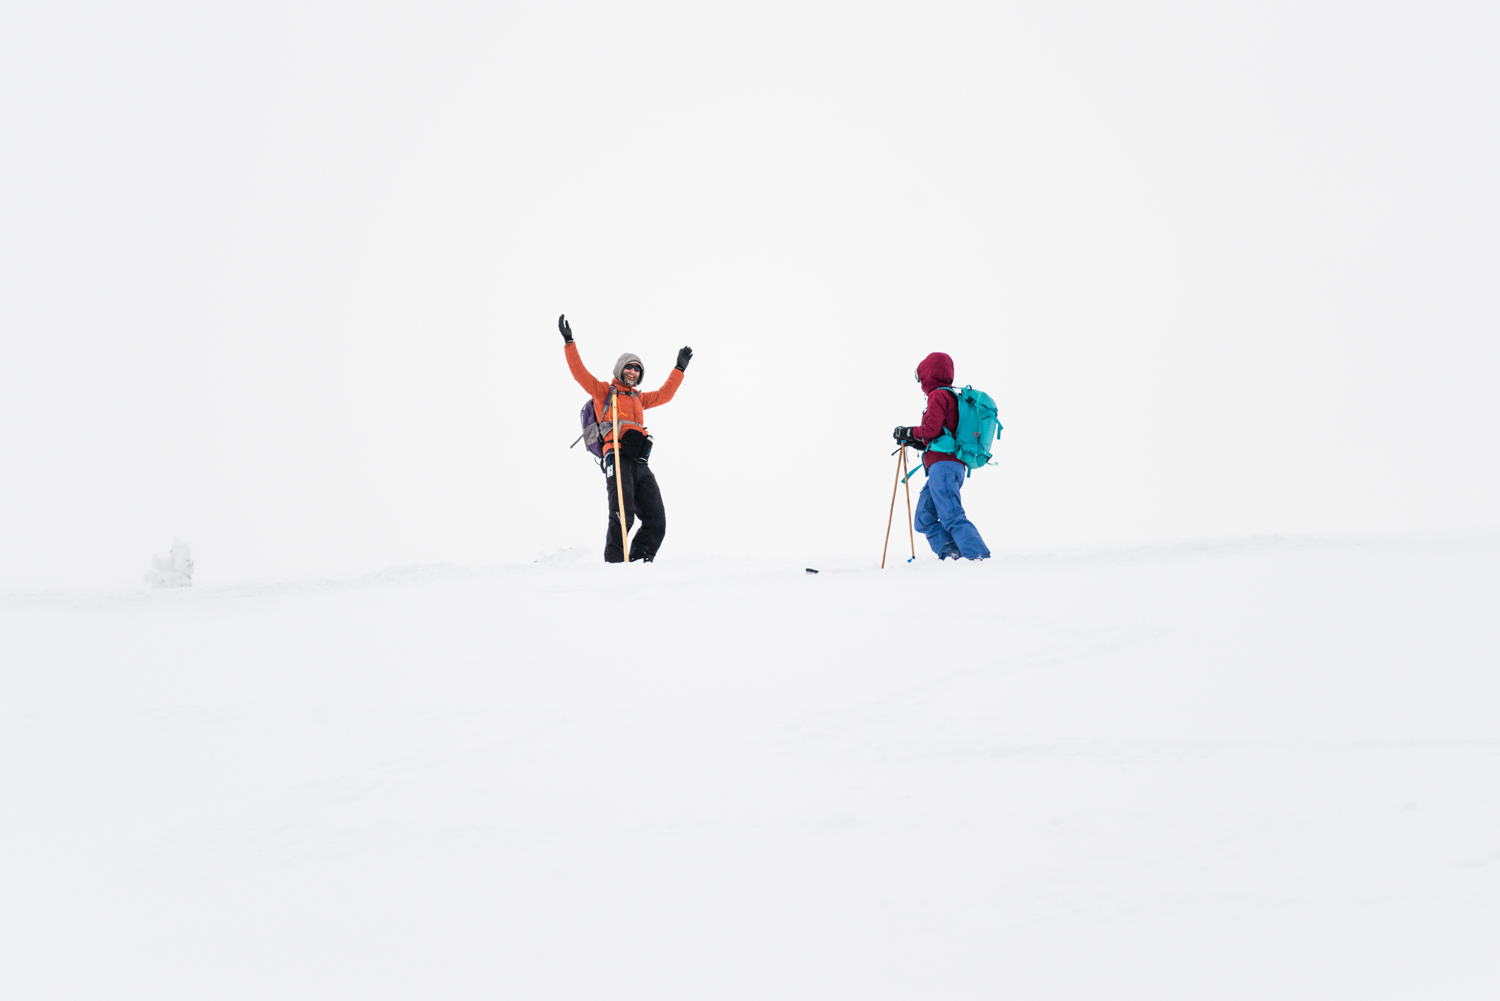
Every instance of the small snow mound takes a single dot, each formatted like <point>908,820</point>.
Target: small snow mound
<point>416,572</point>
<point>567,554</point>
<point>175,570</point>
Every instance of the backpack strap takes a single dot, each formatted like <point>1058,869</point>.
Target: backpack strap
<point>945,442</point>
<point>606,427</point>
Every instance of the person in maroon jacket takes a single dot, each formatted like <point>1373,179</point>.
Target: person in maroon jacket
<point>940,513</point>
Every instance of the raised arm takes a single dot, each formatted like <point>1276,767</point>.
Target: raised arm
<point>668,389</point>
<point>581,375</point>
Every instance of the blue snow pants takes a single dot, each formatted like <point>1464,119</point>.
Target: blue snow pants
<point>940,514</point>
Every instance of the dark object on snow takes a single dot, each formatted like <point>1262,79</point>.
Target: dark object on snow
<point>811,570</point>
<point>683,357</point>
<point>565,330</point>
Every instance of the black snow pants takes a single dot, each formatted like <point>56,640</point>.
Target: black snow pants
<point>643,500</point>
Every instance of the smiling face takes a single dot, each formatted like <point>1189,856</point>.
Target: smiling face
<point>630,374</point>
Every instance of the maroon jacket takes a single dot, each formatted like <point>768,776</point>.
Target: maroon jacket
<point>936,372</point>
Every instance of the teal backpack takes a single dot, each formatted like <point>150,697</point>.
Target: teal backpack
<point>978,428</point>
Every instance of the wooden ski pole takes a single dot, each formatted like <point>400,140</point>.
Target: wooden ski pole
<point>614,397</point>
<point>890,520</point>
<point>910,528</point>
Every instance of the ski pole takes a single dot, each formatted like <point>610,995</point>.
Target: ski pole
<point>906,481</point>
<point>891,518</point>
<point>614,397</point>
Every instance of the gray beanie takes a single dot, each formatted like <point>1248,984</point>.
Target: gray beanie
<point>626,359</point>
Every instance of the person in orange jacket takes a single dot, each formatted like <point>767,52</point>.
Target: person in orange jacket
<point>630,442</point>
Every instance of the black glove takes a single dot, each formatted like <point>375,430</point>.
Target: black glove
<point>906,437</point>
<point>683,357</point>
<point>567,331</point>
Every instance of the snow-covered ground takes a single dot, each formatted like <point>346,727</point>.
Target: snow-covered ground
<point>1263,768</point>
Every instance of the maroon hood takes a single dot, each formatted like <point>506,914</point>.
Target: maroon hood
<point>936,370</point>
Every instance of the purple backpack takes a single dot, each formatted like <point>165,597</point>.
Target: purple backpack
<point>593,432</point>
<point>593,436</point>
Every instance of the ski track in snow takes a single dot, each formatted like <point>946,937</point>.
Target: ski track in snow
<point>1238,769</point>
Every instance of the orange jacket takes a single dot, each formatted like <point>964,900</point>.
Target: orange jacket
<point>633,403</point>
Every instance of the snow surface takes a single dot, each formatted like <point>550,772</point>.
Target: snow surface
<point>1247,769</point>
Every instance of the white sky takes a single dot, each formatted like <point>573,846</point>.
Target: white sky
<point>282,279</point>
